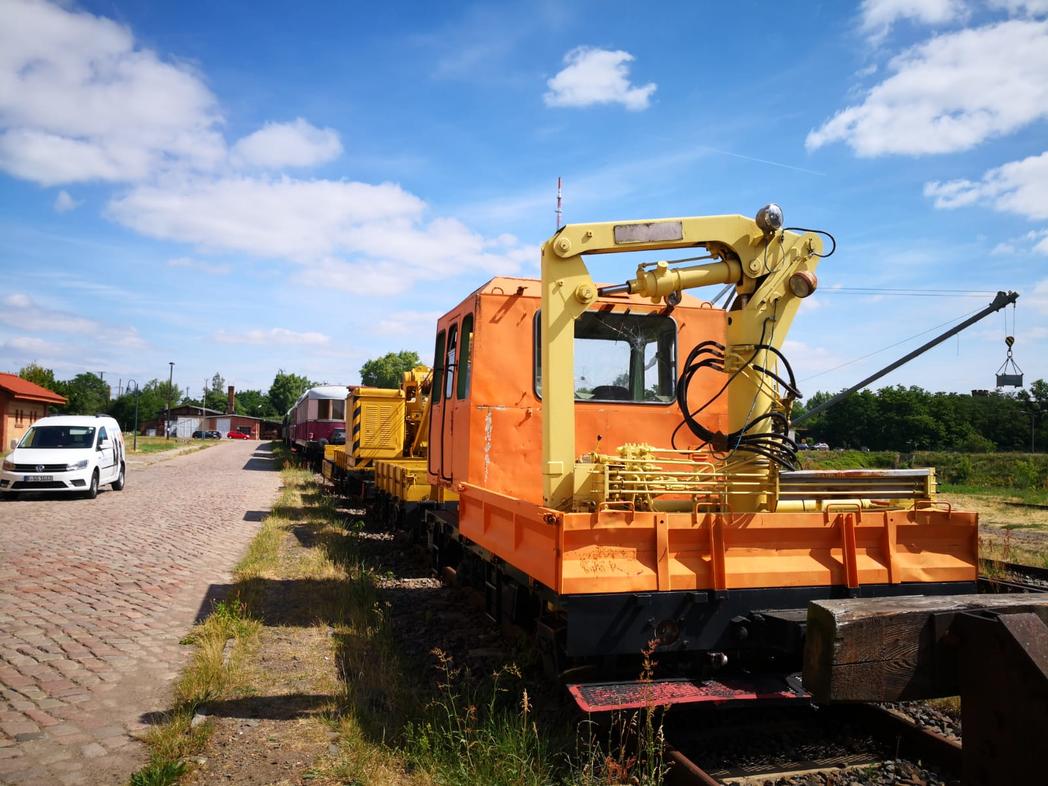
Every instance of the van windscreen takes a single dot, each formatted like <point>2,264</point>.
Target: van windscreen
<point>58,437</point>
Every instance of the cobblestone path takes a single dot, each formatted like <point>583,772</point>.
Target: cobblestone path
<point>94,597</point>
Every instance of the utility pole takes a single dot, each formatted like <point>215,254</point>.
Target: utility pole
<point>170,384</point>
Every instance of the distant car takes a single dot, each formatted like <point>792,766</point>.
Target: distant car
<point>212,435</point>
<point>238,435</point>
<point>820,446</point>
<point>338,437</point>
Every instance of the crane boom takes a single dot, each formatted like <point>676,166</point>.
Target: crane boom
<point>1000,301</point>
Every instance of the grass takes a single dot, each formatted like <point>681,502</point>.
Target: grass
<point>1024,495</point>
<point>159,444</point>
<point>378,722</point>
<point>210,676</point>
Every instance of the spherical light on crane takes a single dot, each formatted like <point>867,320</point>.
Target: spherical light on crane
<point>769,219</point>
<point>803,283</point>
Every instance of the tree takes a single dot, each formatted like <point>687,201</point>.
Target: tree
<point>152,403</point>
<point>286,389</point>
<point>37,374</point>
<point>255,403</point>
<point>388,370</point>
<point>215,396</point>
<point>86,394</point>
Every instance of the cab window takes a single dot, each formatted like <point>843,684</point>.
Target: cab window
<point>621,357</point>
<point>465,357</point>
<point>438,366</point>
<point>451,361</point>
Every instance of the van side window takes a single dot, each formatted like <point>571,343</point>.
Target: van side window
<point>102,436</point>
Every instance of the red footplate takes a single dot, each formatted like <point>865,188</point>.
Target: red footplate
<point>607,696</point>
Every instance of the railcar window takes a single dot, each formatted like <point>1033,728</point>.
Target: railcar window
<point>438,367</point>
<point>621,357</point>
<point>324,409</point>
<point>338,409</point>
<point>449,365</point>
<point>465,356</point>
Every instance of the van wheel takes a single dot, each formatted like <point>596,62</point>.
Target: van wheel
<point>92,490</point>
<point>118,484</point>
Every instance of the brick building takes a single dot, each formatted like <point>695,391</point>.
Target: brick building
<point>22,403</point>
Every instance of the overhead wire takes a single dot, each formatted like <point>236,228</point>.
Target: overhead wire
<point>891,346</point>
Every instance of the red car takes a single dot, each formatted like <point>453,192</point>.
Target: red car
<point>238,435</point>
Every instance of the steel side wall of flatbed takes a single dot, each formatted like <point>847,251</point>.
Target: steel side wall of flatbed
<point>618,551</point>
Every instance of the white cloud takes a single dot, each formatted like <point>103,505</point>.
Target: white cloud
<point>22,312</point>
<point>267,217</point>
<point>277,145</point>
<point>348,235</point>
<point>400,323</point>
<point>1022,7</point>
<point>1003,249</point>
<point>950,93</point>
<point>280,336</point>
<point>79,101</point>
<point>64,203</point>
<point>1019,187</point>
<point>1038,297</point>
<point>597,76</point>
<point>878,16</point>
<point>27,345</point>
<point>188,263</point>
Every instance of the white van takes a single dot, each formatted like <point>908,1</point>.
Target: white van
<point>66,453</point>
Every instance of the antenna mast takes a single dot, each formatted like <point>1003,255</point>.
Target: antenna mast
<point>559,212</point>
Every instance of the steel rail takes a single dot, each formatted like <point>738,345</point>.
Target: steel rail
<point>901,734</point>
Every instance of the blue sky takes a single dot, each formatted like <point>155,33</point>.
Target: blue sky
<point>242,187</point>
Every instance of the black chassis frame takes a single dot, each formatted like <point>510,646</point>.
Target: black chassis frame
<point>761,622</point>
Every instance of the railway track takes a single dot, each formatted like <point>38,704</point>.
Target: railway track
<point>846,745</point>
<point>999,576</point>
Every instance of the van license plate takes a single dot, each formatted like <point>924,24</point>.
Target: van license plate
<point>39,478</point>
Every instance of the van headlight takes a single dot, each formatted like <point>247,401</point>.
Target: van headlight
<point>76,466</point>
<point>9,464</point>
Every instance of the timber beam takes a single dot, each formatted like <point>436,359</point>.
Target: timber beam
<point>991,650</point>
<point>895,649</point>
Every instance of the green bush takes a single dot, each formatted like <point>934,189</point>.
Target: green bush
<point>975,443</point>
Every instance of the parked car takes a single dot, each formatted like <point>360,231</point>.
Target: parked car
<point>238,435</point>
<point>75,453</point>
<point>820,446</point>
<point>338,437</point>
<point>212,435</point>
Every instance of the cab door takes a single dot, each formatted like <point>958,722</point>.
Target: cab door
<point>107,466</point>
<point>447,405</point>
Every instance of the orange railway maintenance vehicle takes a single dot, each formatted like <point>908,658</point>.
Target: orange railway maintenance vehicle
<point>626,482</point>
<point>624,469</point>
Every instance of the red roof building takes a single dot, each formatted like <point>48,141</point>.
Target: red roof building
<point>22,403</point>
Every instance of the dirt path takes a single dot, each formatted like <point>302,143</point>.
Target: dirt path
<point>94,597</point>
<point>1014,533</point>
